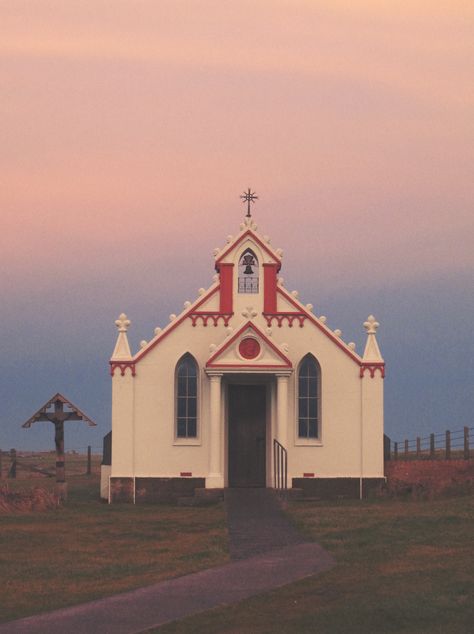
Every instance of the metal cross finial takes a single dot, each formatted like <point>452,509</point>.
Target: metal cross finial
<point>249,197</point>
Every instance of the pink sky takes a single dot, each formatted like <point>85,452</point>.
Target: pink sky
<point>129,129</point>
<point>132,123</point>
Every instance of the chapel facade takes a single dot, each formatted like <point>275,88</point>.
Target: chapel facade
<point>246,387</point>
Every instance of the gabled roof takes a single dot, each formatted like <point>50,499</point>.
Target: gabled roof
<point>278,360</point>
<point>252,234</point>
<point>325,329</point>
<point>43,415</point>
<point>179,319</point>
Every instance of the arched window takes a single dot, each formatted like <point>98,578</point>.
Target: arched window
<point>248,272</point>
<point>309,386</point>
<point>186,397</point>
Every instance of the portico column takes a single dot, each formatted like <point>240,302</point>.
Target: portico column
<point>282,409</point>
<point>215,480</point>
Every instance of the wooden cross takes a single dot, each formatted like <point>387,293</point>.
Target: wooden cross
<point>54,412</point>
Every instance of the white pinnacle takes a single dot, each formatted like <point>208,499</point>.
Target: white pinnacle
<point>371,325</point>
<point>372,350</point>
<point>122,348</point>
<point>122,322</point>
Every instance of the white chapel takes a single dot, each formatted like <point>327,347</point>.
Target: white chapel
<point>246,387</point>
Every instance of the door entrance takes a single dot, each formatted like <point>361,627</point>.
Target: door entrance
<point>247,435</point>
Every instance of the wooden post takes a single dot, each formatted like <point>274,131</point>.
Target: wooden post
<point>466,443</point>
<point>432,446</point>
<point>12,471</point>
<point>61,486</point>
<point>406,447</point>
<point>418,446</point>
<point>448,445</point>
<point>387,443</point>
<point>89,460</point>
<point>395,451</point>
<point>0,464</point>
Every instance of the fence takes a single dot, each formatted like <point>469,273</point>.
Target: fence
<point>25,464</point>
<point>444,446</point>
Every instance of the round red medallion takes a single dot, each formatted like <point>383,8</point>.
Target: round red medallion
<point>249,348</point>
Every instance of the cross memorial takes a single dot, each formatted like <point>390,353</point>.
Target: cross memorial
<point>58,410</point>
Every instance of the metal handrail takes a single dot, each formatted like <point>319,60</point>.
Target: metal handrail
<point>280,466</point>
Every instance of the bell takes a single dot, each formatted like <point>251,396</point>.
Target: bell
<point>248,261</point>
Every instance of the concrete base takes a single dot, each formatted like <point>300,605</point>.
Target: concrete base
<point>105,470</point>
<point>60,489</point>
<point>122,490</point>
<point>165,490</point>
<point>215,481</point>
<point>337,488</point>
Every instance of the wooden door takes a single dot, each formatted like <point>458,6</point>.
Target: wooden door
<point>247,426</point>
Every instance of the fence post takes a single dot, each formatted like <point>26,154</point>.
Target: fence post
<point>406,447</point>
<point>448,444</point>
<point>432,446</point>
<point>0,463</point>
<point>395,451</point>
<point>418,446</point>
<point>466,443</point>
<point>89,471</point>
<point>12,472</point>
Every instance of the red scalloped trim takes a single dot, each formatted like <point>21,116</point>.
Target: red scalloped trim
<point>281,317</point>
<point>122,365</point>
<point>213,315</point>
<point>372,367</point>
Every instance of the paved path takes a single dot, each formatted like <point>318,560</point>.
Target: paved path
<point>255,523</point>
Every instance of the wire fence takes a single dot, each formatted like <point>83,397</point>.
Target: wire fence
<point>24,464</point>
<point>448,445</point>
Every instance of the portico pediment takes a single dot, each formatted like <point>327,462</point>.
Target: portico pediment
<point>248,349</point>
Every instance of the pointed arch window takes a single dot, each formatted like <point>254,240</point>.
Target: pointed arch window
<point>186,397</point>
<point>309,398</point>
<point>248,272</point>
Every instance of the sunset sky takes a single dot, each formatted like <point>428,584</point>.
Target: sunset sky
<point>128,131</point>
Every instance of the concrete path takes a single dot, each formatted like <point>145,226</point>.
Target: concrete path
<point>256,523</point>
<point>283,558</point>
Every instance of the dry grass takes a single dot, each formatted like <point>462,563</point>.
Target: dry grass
<point>27,501</point>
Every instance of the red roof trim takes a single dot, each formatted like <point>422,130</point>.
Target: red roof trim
<point>139,356</point>
<point>255,237</point>
<point>249,324</point>
<point>317,323</point>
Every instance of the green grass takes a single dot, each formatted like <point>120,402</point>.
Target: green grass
<point>87,549</point>
<point>403,566</point>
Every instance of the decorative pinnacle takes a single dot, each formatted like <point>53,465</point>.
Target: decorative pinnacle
<point>249,197</point>
<point>122,323</point>
<point>371,325</point>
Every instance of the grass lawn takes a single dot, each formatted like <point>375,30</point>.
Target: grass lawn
<point>403,566</point>
<point>87,549</point>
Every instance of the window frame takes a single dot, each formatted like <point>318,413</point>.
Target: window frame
<point>187,440</point>
<point>315,441</point>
